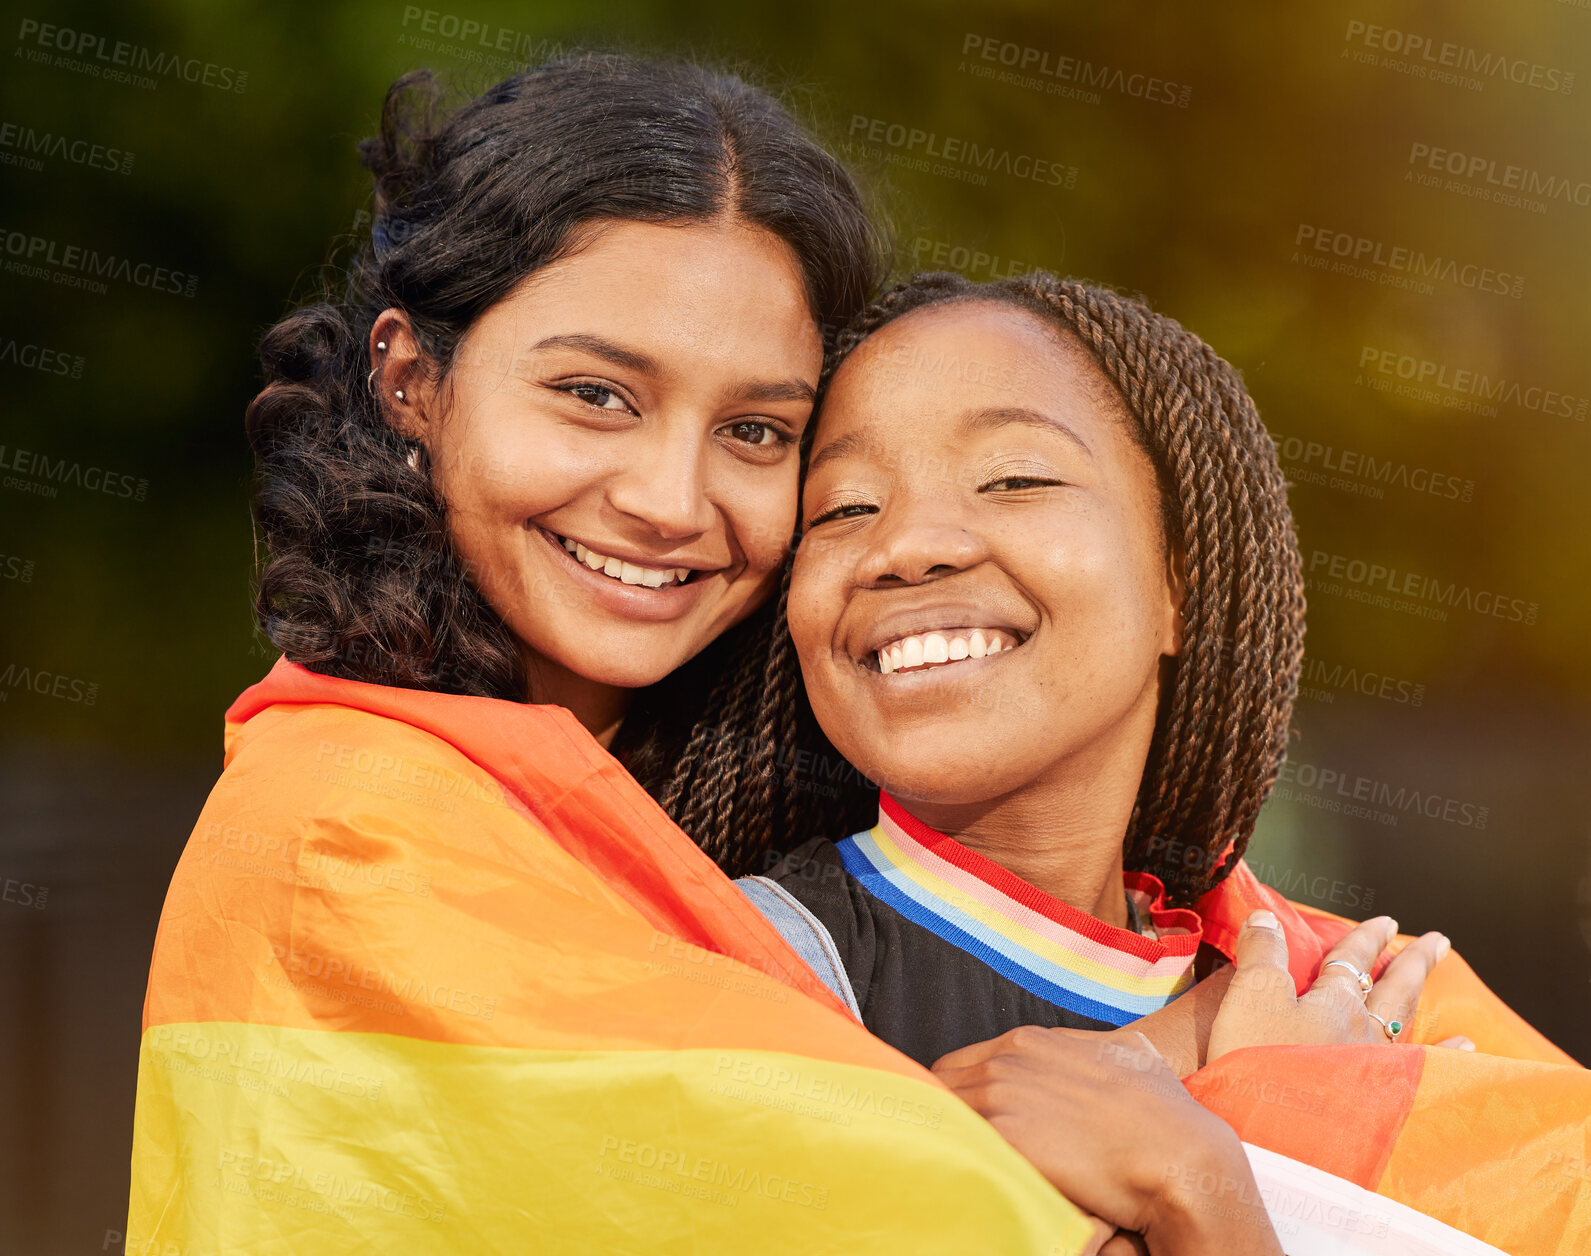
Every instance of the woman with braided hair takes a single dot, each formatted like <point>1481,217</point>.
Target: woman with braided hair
<point>1048,597</point>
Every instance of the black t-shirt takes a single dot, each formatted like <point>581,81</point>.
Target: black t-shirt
<point>925,993</point>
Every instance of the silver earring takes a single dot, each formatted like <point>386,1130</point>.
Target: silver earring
<point>414,459</point>
<point>382,345</point>
<point>369,380</point>
<point>398,394</point>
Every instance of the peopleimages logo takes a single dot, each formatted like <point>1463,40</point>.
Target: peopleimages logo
<point>1466,389</point>
<point>48,684</point>
<point>1071,77</point>
<point>1365,258</point>
<point>1443,60</point>
<point>1398,798</point>
<point>1381,583</point>
<point>38,473</point>
<point>40,358</point>
<point>117,62</point>
<point>29,145</point>
<point>35,257</point>
<point>974,263</point>
<point>1320,677</point>
<point>1315,462</point>
<point>1486,179</point>
<point>921,149</point>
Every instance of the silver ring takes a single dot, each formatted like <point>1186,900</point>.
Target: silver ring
<point>1391,1028</point>
<point>369,379</point>
<point>1362,978</point>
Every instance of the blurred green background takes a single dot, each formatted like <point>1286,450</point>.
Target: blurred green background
<point>1214,147</point>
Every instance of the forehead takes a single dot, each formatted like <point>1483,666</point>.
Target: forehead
<point>721,286</point>
<point>923,372</point>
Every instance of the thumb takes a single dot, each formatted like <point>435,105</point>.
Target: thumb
<point>1260,944</point>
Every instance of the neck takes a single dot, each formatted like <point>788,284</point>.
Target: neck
<point>1076,859</point>
<point>600,708</point>
<point>1062,832</point>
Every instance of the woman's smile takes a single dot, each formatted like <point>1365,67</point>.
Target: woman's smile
<point>624,587</point>
<point>906,641</point>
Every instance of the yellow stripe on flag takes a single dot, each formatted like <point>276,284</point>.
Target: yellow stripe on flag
<point>467,1149</point>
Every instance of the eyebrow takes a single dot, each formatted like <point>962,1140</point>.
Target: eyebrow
<point>999,416</point>
<point>635,360</point>
<point>774,390</point>
<point>607,350</point>
<point>849,445</point>
<point>845,447</point>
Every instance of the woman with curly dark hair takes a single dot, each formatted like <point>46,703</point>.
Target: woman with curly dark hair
<point>435,972</point>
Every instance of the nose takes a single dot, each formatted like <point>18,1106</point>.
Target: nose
<point>913,543</point>
<point>664,484</point>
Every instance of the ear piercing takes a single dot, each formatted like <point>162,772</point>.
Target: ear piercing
<point>371,378</point>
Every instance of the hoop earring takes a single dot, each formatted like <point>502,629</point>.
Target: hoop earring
<point>370,380</point>
<point>414,458</point>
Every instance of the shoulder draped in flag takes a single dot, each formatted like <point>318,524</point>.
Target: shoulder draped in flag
<point>435,975</point>
<point>1495,1142</point>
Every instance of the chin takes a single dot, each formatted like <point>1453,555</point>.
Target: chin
<point>920,781</point>
<point>628,673</point>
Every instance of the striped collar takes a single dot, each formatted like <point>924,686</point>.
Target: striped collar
<point>1047,947</point>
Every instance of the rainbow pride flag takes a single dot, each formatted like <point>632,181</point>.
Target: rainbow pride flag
<point>1496,1143</point>
<point>435,975</point>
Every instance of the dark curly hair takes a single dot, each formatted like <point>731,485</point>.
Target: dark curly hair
<point>1221,732</point>
<point>360,578</point>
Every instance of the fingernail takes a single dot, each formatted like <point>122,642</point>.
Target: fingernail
<point>1392,924</point>
<point>1466,1045</point>
<point>1262,920</point>
<point>1442,948</point>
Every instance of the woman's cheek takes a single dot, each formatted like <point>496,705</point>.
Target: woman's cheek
<point>764,526</point>
<point>809,596</point>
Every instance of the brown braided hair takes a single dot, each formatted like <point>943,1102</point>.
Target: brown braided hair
<point>1221,732</point>
<point>759,778</point>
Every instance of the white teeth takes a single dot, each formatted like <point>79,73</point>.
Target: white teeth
<point>629,573</point>
<point>934,648</point>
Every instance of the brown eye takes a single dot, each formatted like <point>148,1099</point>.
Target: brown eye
<point>1012,483</point>
<point>598,396</point>
<point>754,433</point>
<point>851,510</point>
